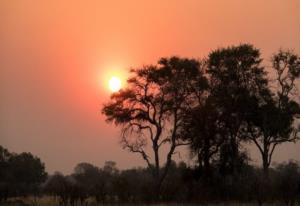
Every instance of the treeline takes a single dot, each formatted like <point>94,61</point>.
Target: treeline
<point>183,184</point>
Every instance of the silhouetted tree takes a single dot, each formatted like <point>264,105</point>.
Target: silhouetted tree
<point>152,107</point>
<point>235,81</point>
<point>273,121</point>
<point>27,169</point>
<point>57,186</point>
<point>20,174</point>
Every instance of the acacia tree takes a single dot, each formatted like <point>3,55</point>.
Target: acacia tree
<point>151,110</point>
<point>273,121</point>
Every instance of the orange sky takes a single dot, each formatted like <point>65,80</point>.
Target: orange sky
<point>56,58</point>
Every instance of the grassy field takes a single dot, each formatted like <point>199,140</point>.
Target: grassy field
<point>48,201</point>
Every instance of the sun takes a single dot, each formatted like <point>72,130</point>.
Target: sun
<point>114,84</point>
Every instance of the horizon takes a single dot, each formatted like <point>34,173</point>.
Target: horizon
<point>57,58</point>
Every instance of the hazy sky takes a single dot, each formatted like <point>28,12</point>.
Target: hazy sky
<point>56,58</point>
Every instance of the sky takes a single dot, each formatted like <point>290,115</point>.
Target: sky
<point>56,58</point>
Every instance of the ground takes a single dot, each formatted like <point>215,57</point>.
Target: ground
<point>49,201</point>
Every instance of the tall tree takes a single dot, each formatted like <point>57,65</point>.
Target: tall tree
<point>152,107</point>
<point>236,82</point>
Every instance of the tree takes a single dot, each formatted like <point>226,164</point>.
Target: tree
<point>110,167</point>
<point>288,182</point>
<point>5,173</point>
<point>89,179</point>
<point>273,121</point>
<point>151,109</point>
<point>28,168</point>
<point>28,173</point>
<point>56,185</point>
<point>236,80</point>
<point>20,174</point>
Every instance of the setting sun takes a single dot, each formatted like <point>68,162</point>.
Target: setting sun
<point>114,84</point>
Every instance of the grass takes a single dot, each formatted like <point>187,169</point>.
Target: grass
<point>50,201</point>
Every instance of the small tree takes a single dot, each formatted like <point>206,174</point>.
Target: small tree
<point>5,173</point>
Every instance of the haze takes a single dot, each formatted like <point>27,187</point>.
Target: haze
<point>56,58</point>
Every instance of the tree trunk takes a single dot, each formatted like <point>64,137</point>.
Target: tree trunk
<point>265,159</point>
<point>206,158</point>
<point>266,167</point>
<point>199,159</point>
<point>164,173</point>
<point>234,154</point>
<point>156,156</point>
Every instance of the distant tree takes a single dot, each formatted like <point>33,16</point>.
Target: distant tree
<point>27,174</point>
<point>20,174</point>
<point>68,190</point>
<point>5,173</point>
<point>89,179</point>
<point>110,167</point>
<point>28,168</point>
<point>273,121</point>
<point>151,109</point>
<point>288,182</point>
<point>134,185</point>
<point>57,186</point>
<point>5,155</point>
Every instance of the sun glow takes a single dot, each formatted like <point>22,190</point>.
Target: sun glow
<point>115,84</point>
